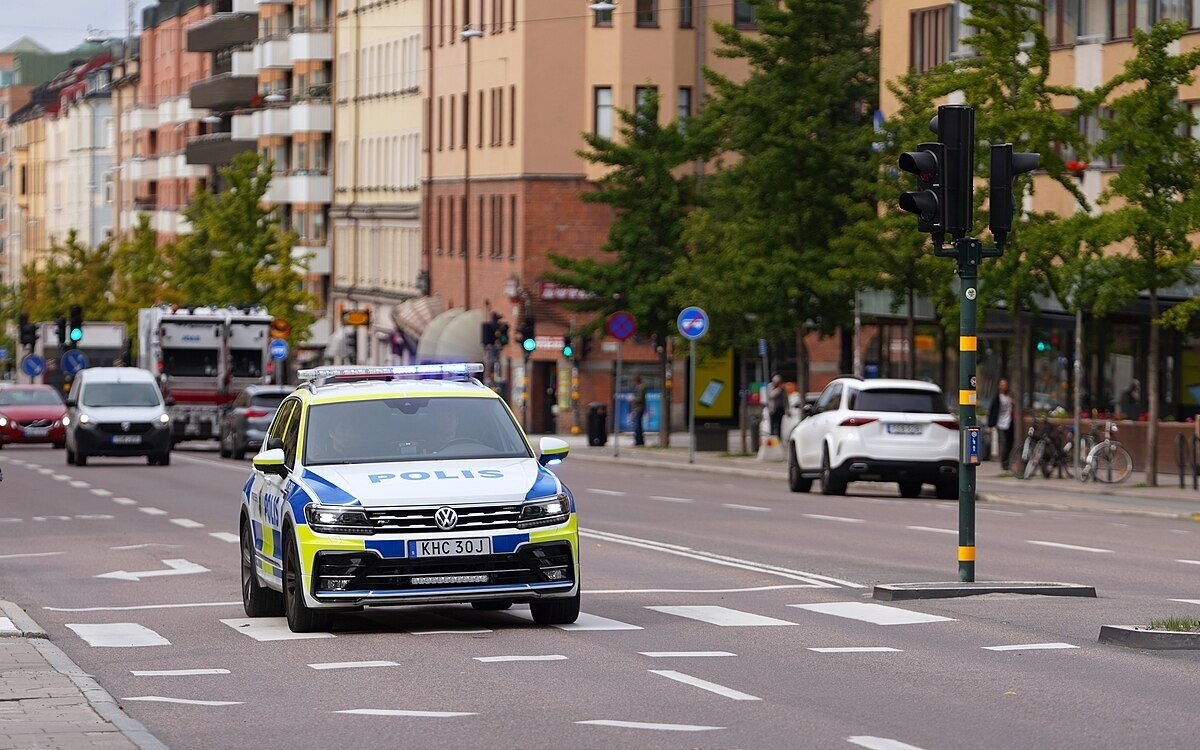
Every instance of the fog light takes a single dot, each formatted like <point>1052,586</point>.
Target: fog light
<point>556,574</point>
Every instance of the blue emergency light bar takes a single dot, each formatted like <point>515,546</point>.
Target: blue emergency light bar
<point>450,371</point>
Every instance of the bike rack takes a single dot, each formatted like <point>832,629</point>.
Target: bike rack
<point>1186,454</point>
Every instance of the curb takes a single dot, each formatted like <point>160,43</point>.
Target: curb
<point>908,591</point>
<point>100,700</point>
<point>1159,640</point>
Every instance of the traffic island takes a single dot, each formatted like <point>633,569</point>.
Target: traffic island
<point>894,592</point>
<point>1149,638</point>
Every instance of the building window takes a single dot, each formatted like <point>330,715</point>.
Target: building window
<point>603,112</point>
<point>685,13</point>
<point>1061,20</point>
<point>642,94</point>
<point>512,114</point>
<point>1126,15</point>
<point>464,235</point>
<point>479,247</point>
<point>744,15</point>
<point>603,18</point>
<point>512,227</point>
<point>683,103</point>
<point>930,38</point>
<point>647,13</point>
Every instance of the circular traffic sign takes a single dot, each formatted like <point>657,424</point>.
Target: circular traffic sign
<point>280,328</point>
<point>692,323</point>
<point>279,349</point>
<point>73,361</point>
<point>621,325</point>
<point>33,365</point>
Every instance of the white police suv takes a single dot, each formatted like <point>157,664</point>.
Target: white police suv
<point>380,486</point>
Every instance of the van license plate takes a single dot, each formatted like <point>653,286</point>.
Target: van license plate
<point>126,439</point>
<point>454,547</point>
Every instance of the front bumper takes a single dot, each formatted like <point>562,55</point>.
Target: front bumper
<point>97,440</point>
<point>15,433</point>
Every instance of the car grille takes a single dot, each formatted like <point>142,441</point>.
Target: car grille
<point>118,428</point>
<point>359,572</point>
<point>36,422</point>
<point>420,520</point>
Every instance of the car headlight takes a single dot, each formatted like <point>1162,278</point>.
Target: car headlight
<point>546,511</point>
<point>337,520</point>
<point>164,418</point>
<point>3,421</point>
<point>84,419</point>
<point>65,420</point>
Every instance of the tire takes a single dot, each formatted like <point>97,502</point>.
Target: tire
<point>257,600</point>
<point>1113,465</point>
<point>831,484</point>
<point>1035,459</point>
<point>300,617</point>
<point>70,457</point>
<point>80,458</point>
<point>164,458</point>
<point>947,489</point>
<point>910,488</point>
<point>493,605</point>
<point>237,451</point>
<point>555,611</point>
<point>796,483</point>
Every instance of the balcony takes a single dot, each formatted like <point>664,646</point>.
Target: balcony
<point>142,118</point>
<point>243,63</point>
<point>223,92</point>
<point>176,167</point>
<point>177,110</point>
<point>272,54</point>
<point>272,121</point>
<point>312,117</point>
<point>143,169</point>
<point>222,31</point>
<point>311,45</point>
<point>245,6</point>
<point>145,204</point>
<point>215,149</point>
<point>299,187</point>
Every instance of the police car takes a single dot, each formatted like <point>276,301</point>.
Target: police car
<point>379,486</point>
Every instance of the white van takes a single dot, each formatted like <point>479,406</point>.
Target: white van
<point>117,411</point>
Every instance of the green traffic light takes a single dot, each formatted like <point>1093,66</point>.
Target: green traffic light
<point>76,334</point>
<point>529,345</point>
<point>568,352</point>
<point>1042,346</point>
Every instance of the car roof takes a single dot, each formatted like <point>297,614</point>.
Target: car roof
<point>117,374</point>
<point>372,389</point>
<point>883,383</point>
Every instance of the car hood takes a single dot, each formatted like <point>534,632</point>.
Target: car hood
<point>122,413</point>
<point>422,483</point>
<point>33,411</point>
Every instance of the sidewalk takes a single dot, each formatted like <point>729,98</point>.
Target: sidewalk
<point>1131,497</point>
<point>46,701</point>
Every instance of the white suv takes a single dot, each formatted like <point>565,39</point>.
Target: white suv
<point>882,430</point>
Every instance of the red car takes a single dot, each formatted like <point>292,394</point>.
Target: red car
<point>32,414</point>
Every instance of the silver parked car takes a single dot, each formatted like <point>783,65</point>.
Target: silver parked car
<point>245,422</point>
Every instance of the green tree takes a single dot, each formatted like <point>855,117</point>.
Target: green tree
<point>72,274</point>
<point>1154,199</point>
<point>237,253</point>
<point>645,239</point>
<point>140,273</point>
<point>797,130</point>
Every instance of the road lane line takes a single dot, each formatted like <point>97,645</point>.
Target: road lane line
<point>150,511</point>
<point>880,743</point>
<point>175,672</point>
<point>124,501</point>
<point>1030,647</point>
<point>269,629</point>
<point>711,687</point>
<point>1189,562</point>
<point>700,591</point>
<point>878,614</point>
<point>1077,548</point>
<point>723,616</point>
<point>30,554</point>
<point>353,664</point>
<point>683,654</point>
<point>225,536</point>
<point>185,701</point>
<point>62,478</point>
<point>142,606</point>
<point>613,493</point>
<point>1001,512</point>
<point>649,725</point>
<point>496,659</point>
<point>79,483</point>
<point>144,546</point>
<point>857,650</point>
<point>399,712</point>
<point>842,519</point>
<point>11,520</point>
<point>666,499</point>
<point>735,506</point>
<point>100,493</point>
<point>187,523</point>
<point>585,622</point>
<point>814,580</point>
<point>933,529</point>
<point>1187,601</point>
<point>95,517</point>
<point>118,635</point>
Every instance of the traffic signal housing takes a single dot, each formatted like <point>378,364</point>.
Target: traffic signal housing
<point>955,126</point>
<point>487,334</point>
<point>60,326</point>
<point>1005,166</point>
<point>928,201</point>
<point>568,347</point>
<point>526,336</point>
<point>75,326</point>
<point>26,331</point>
<point>502,333</point>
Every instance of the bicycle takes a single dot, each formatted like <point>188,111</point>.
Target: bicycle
<point>1108,461</point>
<point>1047,448</point>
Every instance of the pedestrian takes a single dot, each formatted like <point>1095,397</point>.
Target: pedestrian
<point>1000,416</point>
<point>639,410</point>
<point>776,404</point>
<point>1131,400</point>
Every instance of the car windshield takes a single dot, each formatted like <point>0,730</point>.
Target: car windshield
<point>29,397</point>
<point>899,400</point>
<point>411,429</point>
<point>120,394</point>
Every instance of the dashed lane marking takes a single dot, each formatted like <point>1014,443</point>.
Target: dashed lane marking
<point>352,664</point>
<point>1189,562</point>
<point>878,614</point>
<point>711,687</point>
<point>100,492</point>
<point>402,712</point>
<point>736,506</point>
<point>118,635</point>
<point>1075,547</point>
<point>857,650</point>
<point>684,654</point>
<point>649,725</point>
<point>933,529</point>
<point>79,483</point>
<point>124,501</point>
<point>667,499</point>
<point>723,616</point>
<point>842,519</point>
<point>30,554</point>
<point>184,701</point>
<point>541,657</point>
<point>225,536</point>
<point>1001,512</point>
<point>142,606</point>
<point>151,511</point>
<point>880,743</point>
<point>700,591</point>
<point>1187,601</point>
<point>187,523</point>
<point>61,478</point>
<point>143,546</point>
<point>1030,647</point>
<point>175,672</point>
<point>270,629</point>
<point>585,622</point>
<point>613,493</point>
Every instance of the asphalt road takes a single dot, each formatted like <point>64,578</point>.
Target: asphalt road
<point>719,612</point>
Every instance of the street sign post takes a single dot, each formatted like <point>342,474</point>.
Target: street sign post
<point>279,349</point>
<point>73,360</point>
<point>621,326</point>
<point>692,324</point>
<point>33,365</point>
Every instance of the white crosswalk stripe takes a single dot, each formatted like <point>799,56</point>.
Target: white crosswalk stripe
<point>269,629</point>
<point>878,614</point>
<point>723,616</point>
<point>585,622</point>
<point>118,635</point>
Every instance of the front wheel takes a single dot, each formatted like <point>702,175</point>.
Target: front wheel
<point>1113,464</point>
<point>796,482</point>
<point>300,617</point>
<point>910,488</point>
<point>555,611</point>
<point>1036,456</point>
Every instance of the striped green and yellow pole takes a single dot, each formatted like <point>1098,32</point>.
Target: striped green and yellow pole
<point>969,253</point>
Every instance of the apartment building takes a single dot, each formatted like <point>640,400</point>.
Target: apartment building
<point>375,213</point>
<point>1090,42</point>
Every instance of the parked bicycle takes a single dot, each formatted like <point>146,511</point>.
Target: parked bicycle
<point>1108,461</point>
<point>1048,449</point>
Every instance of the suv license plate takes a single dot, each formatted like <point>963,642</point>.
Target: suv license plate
<point>904,429</point>
<point>126,439</point>
<point>454,547</point>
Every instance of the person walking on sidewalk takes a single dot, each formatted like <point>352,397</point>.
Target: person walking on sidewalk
<point>777,404</point>
<point>639,410</point>
<point>1000,416</point>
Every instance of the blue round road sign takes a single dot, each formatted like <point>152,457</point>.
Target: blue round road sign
<point>33,365</point>
<point>279,349</point>
<point>692,323</point>
<point>73,361</point>
<point>621,325</point>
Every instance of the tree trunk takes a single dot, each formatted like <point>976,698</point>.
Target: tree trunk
<point>1016,380</point>
<point>664,419</point>
<point>1152,395</point>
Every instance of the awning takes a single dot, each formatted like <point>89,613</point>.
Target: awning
<point>413,315</point>
<point>453,336</point>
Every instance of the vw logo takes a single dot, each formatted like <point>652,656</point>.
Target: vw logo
<point>446,518</point>
<point>125,426</point>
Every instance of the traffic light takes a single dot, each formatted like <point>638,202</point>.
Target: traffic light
<point>26,330</point>
<point>60,325</point>
<point>502,333</point>
<point>928,202</point>
<point>1005,166</point>
<point>568,347</point>
<point>525,335</point>
<point>75,326</point>
<point>1043,346</point>
<point>487,334</point>
<point>955,126</point>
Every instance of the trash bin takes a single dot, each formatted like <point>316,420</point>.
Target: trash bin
<point>597,423</point>
<point>712,436</point>
<point>755,434</point>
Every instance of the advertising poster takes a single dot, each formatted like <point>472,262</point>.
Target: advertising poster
<point>716,393</point>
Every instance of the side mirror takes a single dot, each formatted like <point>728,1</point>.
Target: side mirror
<point>810,409</point>
<point>72,403</point>
<point>274,443</point>
<point>552,450</point>
<point>271,462</point>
